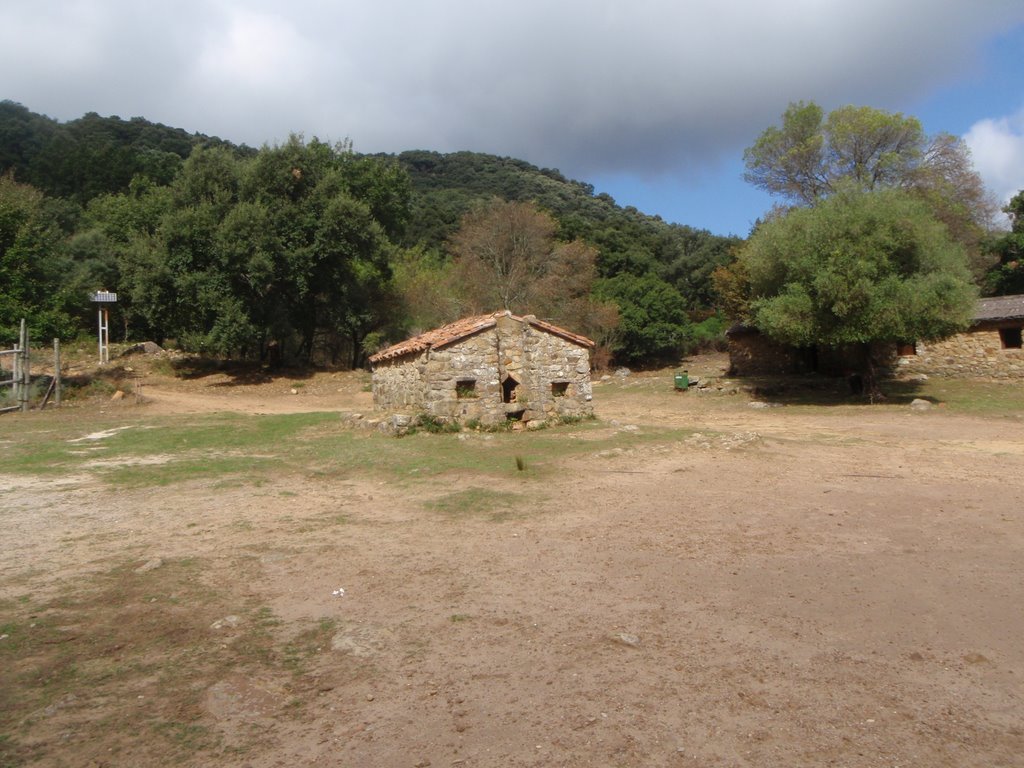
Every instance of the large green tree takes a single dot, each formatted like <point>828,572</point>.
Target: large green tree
<point>857,268</point>
<point>289,249</point>
<point>1007,275</point>
<point>33,263</point>
<point>805,158</point>
<point>812,155</point>
<point>653,323</point>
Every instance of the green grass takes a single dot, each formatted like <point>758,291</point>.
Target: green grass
<point>189,738</point>
<point>232,449</point>
<point>983,398</point>
<point>481,502</point>
<point>808,392</point>
<point>296,654</point>
<point>967,396</point>
<point>122,652</point>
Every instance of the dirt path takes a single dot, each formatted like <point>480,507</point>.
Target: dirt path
<point>281,394</point>
<point>778,588</point>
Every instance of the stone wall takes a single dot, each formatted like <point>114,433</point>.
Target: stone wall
<point>474,359</point>
<point>975,353</point>
<point>556,374</point>
<point>398,383</point>
<point>978,352</point>
<point>751,354</point>
<point>464,381</point>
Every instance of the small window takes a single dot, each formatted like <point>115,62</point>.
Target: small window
<point>1010,337</point>
<point>906,349</point>
<point>465,388</point>
<point>559,388</point>
<point>509,391</point>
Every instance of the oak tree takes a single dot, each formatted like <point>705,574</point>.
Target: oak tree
<point>857,268</point>
<point>811,155</point>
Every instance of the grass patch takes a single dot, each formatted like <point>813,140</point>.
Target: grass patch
<point>970,396</point>
<point>237,449</point>
<point>189,738</point>
<point>297,654</point>
<point>983,398</point>
<point>496,506</point>
<point>124,660</point>
<point>104,645</point>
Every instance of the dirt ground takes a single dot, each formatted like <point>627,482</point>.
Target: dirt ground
<point>790,586</point>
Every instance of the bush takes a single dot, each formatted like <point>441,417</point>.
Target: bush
<point>707,335</point>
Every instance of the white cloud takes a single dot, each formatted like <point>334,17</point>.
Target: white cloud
<point>997,147</point>
<point>588,86</point>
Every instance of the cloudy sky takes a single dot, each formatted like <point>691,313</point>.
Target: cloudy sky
<point>652,101</point>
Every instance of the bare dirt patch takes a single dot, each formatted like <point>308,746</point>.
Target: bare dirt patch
<point>791,586</point>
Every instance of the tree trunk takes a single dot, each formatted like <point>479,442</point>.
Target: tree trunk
<point>871,388</point>
<point>356,339</point>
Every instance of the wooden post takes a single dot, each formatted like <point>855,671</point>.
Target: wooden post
<point>26,379</point>
<point>56,372</point>
<point>16,376</point>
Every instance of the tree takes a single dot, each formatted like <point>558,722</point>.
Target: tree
<point>804,159</point>
<point>566,296</point>
<point>653,322</point>
<point>1006,277</point>
<point>502,252</point>
<point>506,256</point>
<point>237,254</point>
<point>33,263</point>
<point>857,268</point>
<point>811,157</point>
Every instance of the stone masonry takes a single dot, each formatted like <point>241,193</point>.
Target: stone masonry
<point>490,368</point>
<point>990,348</point>
<point>978,352</point>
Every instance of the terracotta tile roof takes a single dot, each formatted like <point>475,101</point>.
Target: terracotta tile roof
<point>438,337</point>
<point>999,308</point>
<point>467,326</point>
<point>583,341</point>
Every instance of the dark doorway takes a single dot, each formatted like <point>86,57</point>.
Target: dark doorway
<point>906,349</point>
<point>1010,337</point>
<point>508,390</point>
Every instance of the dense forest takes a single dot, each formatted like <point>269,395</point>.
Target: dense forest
<point>309,252</point>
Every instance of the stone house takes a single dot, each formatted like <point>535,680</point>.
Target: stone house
<point>753,354</point>
<point>990,347</point>
<point>492,368</point>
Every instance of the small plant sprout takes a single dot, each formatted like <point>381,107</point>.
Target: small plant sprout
<point>520,463</point>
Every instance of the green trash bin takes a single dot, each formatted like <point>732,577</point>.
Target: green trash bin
<point>682,381</point>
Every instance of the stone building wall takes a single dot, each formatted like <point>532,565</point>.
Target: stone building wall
<point>398,383</point>
<point>473,359</point>
<point>558,376</point>
<point>464,380</point>
<point>975,353</point>
<point>751,354</point>
<point>978,352</point>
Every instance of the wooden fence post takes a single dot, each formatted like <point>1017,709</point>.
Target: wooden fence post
<point>25,374</point>
<point>56,372</point>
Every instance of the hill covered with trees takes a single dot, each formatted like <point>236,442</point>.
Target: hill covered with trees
<point>314,250</point>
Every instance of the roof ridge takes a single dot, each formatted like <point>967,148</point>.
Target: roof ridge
<point>459,329</point>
